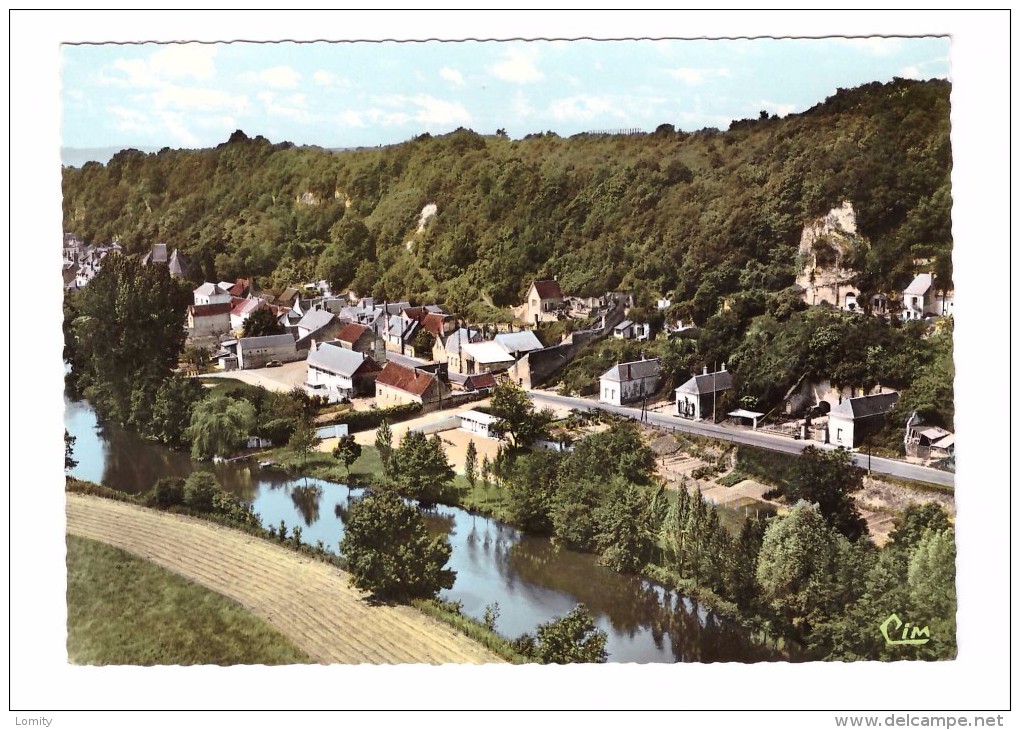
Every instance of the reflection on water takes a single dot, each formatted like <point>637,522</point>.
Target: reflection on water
<point>532,579</point>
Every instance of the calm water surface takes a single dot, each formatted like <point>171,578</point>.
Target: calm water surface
<point>531,579</point>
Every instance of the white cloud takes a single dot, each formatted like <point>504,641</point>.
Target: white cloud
<point>421,109</point>
<point>875,45</point>
<point>585,107</point>
<point>328,78</point>
<point>910,72</point>
<point>129,120</point>
<point>176,98</point>
<point>452,75</point>
<point>280,77</point>
<point>519,67</point>
<point>775,107</point>
<point>170,63</point>
<point>291,106</point>
<point>695,76</point>
<point>521,107</point>
<point>352,119</point>
<point>190,60</point>
<point>174,123</point>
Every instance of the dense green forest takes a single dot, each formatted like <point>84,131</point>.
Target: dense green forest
<point>698,215</point>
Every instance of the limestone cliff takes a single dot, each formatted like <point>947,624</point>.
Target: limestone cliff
<point>827,245</point>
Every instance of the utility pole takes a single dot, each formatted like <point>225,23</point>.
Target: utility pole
<point>714,368</point>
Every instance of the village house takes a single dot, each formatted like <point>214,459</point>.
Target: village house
<point>629,381</point>
<point>485,357</point>
<point>359,338</point>
<point>210,293</point>
<point>920,299</point>
<point>448,349</point>
<point>242,309</point>
<point>177,263</point>
<point>478,423</point>
<point>318,324</point>
<point>542,301</point>
<point>696,399</point>
<point>628,330</point>
<point>853,419</point>
<point>208,320</point>
<point>255,352</point>
<point>518,344</point>
<point>339,373</point>
<point>927,441</point>
<point>808,393</point>
<point>398,385</point>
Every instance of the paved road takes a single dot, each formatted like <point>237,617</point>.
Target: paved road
<point>763,440</point>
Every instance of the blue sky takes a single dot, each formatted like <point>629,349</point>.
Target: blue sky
<point>362,94</point>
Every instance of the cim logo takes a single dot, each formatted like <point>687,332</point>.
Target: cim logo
<point>908,633</point>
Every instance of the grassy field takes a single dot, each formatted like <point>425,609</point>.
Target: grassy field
<point>125,610</point>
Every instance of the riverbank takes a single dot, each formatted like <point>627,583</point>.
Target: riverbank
<point>308,601</point>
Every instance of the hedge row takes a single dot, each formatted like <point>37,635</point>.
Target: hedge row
<point>368,420</point>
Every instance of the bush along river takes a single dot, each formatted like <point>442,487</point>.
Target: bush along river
<point>532,579</point>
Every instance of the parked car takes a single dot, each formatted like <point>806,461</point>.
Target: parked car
<point>274,364</point>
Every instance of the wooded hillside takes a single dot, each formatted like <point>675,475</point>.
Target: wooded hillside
<point>697,215</point>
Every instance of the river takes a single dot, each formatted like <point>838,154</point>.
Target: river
<point>532,580</point>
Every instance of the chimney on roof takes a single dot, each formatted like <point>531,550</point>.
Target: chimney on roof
<point>705,371</point>
<point>723,368</point>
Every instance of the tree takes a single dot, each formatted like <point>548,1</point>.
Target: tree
<point>574,638</point>
<point>260,323</point>
<point>347,451</point>
<point>624,538</point>
<point>384,445</point>
<point>200,489</point>
<point>471,463</point>
<point>124,333</point>
<point>931,580</point>
<point>220,425</point>
<point>516,416</point>
<point>303,441</point>
<point>421,468</point>
<point>172,408</point>
<point>389,553</point>
<point>69,462</point>
<point>531,490</point>
<point>828,479</point>
<point>800,569</point>
<point>916,520</point>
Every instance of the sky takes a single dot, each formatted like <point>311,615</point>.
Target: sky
<point>354,94</point>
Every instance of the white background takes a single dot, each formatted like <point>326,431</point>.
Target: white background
<point>42,683</point>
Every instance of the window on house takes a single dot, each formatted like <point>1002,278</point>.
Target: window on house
<point>839,434</point>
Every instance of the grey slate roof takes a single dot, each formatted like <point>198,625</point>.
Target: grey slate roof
<point>461,337</point>
<point>627,371</point>
<point>515,342</point>
<point>315,320</point>
<point>208,289</point>
<point>623,325</point>
<point>404,361</point>
<point>704,383</point>
<point>919,286</point>
<point>865,406</point>
<point>265,341</point>
<point>339,360</point>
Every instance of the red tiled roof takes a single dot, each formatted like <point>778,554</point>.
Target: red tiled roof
<point>415,314</point>
<point>434,323</point>
<point>350,333</point>
<point>208,310</point>
<point>410,381</point>
<point>548,289</point>
<point>239,287</point>
<point>484,380</point>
